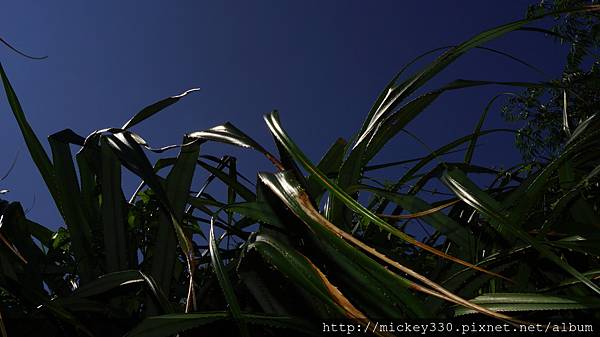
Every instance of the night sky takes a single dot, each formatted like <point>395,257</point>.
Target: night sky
<point>320,63</point>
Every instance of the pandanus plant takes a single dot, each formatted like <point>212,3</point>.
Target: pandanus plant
<point>297,246</point>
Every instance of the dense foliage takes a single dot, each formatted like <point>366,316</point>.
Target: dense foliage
<point>550,114</point>
<point>295,246</point>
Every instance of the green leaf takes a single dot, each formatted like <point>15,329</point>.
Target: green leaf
<point>117,279</point>
<point>256,210</point>
<point>37,152</point>
<point>586,244</point>
<point>530,302</point>
<point>228,291</point>
<point>349,174</point>
<point>170,231</point>
<point>133,158</point>
<point>440,221</point>
<point>108,282</point>
<point>228,134</point>
<point>89,163</point>
<point>70,203</point>
<point>240,189</point>
<point>329,165</point>
<point>113,209</point>
<point>300,270</point>
<point>43,234</point>
<point>477,131</point>
<point>151,110</point>
<point>593,274</point>
<point>131,155</point>
<point>167,325</point>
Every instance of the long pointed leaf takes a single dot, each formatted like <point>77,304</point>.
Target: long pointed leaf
<point>530,302</point>
<point>37,152</point>
<point>151,110</point>
<point>224,282</point>
<point>114,227</point>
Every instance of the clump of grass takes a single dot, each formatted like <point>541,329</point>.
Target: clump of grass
<point>264,255</point>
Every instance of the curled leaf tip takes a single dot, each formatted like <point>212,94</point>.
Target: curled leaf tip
<point>186,92</point>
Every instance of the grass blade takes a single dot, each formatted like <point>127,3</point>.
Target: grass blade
<point>530,302</point>
<point>167,325</point>
<point>37,152</point>
<point>329,165</point>
<point>113,212</point>
<point>476,132</point>
<point>224,282</point>
<point>151,110</point>
<point>229,134</point>
<point>70,203</point>
<point>305,274</point>
<point>438,220</point>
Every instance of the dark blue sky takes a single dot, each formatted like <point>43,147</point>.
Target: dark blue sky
<point>320,63</point>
